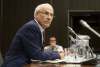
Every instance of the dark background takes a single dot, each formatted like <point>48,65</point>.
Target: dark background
<point>14,13</point>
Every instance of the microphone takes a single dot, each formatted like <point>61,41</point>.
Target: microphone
<point>72,31</point>
<point>84,23</point>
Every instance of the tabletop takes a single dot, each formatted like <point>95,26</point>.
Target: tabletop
<point>59,65</point>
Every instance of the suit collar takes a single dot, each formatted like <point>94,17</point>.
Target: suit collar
<point>40,27</point>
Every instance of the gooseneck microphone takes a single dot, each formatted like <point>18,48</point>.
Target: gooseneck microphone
<point>72,31</point>
<point>84,23</point>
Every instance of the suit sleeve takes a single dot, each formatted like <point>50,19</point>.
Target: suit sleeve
<point>31,40</point>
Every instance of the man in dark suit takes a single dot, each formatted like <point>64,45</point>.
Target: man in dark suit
<point>27,44</point>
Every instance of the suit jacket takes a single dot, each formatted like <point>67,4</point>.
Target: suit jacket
<point>26,45</point>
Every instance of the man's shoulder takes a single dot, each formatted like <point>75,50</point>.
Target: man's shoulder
<point>30,23</point>
<point>28,26</point>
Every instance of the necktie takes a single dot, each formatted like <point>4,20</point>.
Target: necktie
<point>43,38</point>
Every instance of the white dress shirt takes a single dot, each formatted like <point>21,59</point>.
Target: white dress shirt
<point>41,29</point>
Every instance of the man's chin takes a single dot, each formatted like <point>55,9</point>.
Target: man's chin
<point>47,25</point>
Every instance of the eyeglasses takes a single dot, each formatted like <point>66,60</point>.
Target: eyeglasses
<point>46,13</point>
<point>52,40</point>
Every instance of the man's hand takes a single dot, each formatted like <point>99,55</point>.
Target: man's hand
<point>62,54</point>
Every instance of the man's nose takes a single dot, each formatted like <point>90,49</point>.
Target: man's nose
<point>49,17</point>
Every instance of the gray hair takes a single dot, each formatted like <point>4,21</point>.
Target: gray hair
<point>41,6</point>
